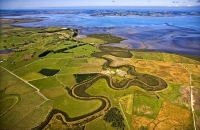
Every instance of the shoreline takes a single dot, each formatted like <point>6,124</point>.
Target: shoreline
<point>10,21</point>
<point>137,38</point>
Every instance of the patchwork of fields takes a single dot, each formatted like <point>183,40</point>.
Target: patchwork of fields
<point>52,80</point>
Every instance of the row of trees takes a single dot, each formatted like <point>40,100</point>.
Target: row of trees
<point>58,51</point>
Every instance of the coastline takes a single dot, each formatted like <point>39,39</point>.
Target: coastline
<point>10,21</point>
<point>166,38</point>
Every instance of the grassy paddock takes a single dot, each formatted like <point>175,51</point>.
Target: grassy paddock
<point>60,55</point>
<point>101,88</point>
<point>70,70</point>
<point>98,123</point>
<point>146,106</point>
<point>7,104</point>
<point>90,68</point>
<point>13,85</point>
<point>74,107</point>
<point>67,79</point>
<point>107,38</point>
<point>163,56</point>
<point>53,90</point>
<point>37,66</point>
<point>83,51</point>
<point>172,93</point>
<point>46,83</point>
<point>23,111</point>
<point>92,40</point>
<point>33,76</point>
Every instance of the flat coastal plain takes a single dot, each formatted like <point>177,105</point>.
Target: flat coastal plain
<point>52,79</point>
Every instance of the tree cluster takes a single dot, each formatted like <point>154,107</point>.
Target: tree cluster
<point>114,117</point>
<point>44,53</point>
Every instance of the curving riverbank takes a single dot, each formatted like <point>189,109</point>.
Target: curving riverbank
<point>78,91</point>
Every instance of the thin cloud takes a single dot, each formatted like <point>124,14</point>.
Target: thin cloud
<point>198,1</point>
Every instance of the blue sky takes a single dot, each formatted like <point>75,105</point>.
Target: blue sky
<point>68,3</point>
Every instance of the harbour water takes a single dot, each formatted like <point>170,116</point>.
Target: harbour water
<point>166,33</point>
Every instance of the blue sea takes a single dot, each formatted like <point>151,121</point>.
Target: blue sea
<point>172,34</point>
<point>85,20</point>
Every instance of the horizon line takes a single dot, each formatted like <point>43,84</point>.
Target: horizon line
<point>94,7</point>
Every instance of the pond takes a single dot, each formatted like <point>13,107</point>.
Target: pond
<point>6,51</point>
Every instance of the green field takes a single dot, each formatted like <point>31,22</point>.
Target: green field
<point>82,51</point>
<point>56,92</point>
<point>96,124</point>
<point>162,56</point>
<point>146,106</point>
<point>21,93</point>
<point>75,107</point>
<point>107,38</point>
<point>67,80</point>
<point>7,104</point>
<point>92,40</point>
